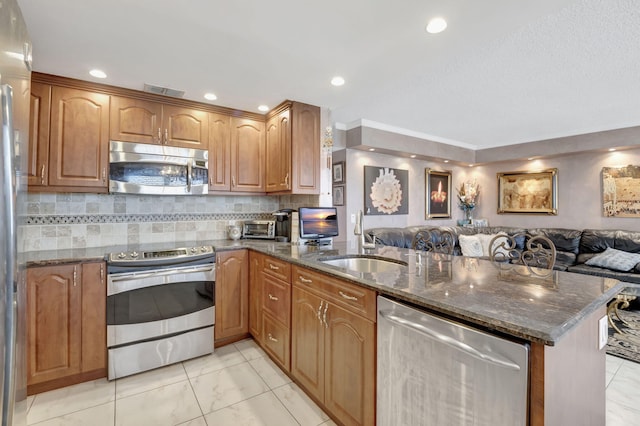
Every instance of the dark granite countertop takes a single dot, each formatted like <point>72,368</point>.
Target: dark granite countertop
<point>531,304</point>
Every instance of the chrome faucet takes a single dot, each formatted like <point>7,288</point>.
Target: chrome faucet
<point>359,231</point>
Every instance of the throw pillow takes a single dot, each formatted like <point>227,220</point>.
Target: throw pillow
<point>616,260</point>
<point>470,245</point>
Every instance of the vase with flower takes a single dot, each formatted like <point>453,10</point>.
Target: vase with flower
<point>468,193</point>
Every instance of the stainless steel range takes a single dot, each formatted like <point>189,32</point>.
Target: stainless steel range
<point>160,308</point>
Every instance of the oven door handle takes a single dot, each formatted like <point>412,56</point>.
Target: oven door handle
<point>139,275</point>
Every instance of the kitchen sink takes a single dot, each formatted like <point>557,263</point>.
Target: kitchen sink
<point>360,263</point>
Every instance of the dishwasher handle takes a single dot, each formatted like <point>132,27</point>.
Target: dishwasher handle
<point>449,341</point>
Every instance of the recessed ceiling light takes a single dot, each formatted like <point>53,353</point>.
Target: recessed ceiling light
<point>530,158</point>
<point>263,108</point>
<point>470,165</point>
<point>446,161</point>
<point>611,149</point>
<point>413,156</point>
<point>98,73</point>
<point>337,81</point>
<point>210,96</point>
<point>436,25</point>
<point>372,149</point>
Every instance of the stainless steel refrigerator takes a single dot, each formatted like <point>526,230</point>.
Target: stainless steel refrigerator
<point>15,76</point>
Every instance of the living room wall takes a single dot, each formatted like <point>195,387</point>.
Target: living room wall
<point>579,190</point>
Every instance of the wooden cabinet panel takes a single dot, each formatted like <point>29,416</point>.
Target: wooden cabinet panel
<point>276,299</point>
<point>255,295</point>
<point>134,120</point>
<point>277,268</point>
<point>278,153</point>
<point>79,138</point>
<point>276,340</point>
<point>232,294</point>
<point>247,155</point>
<point>38,169</point>
<point>350,367</point>
<point>185,127</point>
<point>219,152</point>
<point>307,342</point>
<point>305,149</point>
<point>94,317</point>
<point>54,329</point>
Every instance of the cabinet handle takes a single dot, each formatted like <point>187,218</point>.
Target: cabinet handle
<point>273,339</point>
<point>346,296</point>
<point>210,181</point>
<point>273,267</point>
<point>166,136</point>
<point>104,174</point>
<point>75,275</point>
<point>286,179</point>
<point>233,181</point>
<point>272,297</point>
<point>320,310</point>
<point>304,280</point>
<point>42,175</point>
<point>102,272</point>
<point>324,315</point>
<point>159,135</point>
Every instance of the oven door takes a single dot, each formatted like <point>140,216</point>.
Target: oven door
<point>162,302</point>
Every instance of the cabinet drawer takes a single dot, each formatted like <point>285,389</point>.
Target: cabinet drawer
<point>276,299</point>
<point>277,268</point>
<point>276,340</point>
<point>357,299</point>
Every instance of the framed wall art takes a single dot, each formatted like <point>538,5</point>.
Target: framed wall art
<point>338,172</point>
<point>621,191</point>
<point>533,192</point>
<point>386,191</point>
<point>338,195</point>
<point>438,194</point>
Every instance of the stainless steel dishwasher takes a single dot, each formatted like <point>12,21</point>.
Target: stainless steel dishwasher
<point>432,371</point>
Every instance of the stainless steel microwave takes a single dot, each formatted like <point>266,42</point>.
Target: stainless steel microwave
<point>136,168</point>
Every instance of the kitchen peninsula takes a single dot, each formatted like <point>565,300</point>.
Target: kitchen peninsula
<point>556,314</point>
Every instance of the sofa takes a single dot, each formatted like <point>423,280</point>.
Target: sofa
<point>579,251</point>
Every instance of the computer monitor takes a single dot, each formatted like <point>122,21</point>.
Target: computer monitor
<point>318,223</point>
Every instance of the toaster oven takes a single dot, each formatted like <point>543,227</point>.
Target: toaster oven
<point>259,229</point>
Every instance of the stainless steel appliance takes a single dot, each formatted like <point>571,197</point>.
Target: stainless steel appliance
<point>15,80</point>
<point>160,308</point>
<point>259,229</point>
<point>432,371</point>
<point>136,168</point>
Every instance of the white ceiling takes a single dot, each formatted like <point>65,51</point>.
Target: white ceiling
<point>503,72</point>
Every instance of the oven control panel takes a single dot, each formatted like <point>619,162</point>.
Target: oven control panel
<point>182,253</point>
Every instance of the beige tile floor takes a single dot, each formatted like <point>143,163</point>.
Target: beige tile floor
<point>238,385</point>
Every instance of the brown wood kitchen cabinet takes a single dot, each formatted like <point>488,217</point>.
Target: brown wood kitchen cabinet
<point>69,153</point>
<point>293,149</point>
<point>333,344</point>
<point>66,325</point>
<point>136,120</point>
<point>247,155</point>
<point>232,296</point>
<point>219,152</point>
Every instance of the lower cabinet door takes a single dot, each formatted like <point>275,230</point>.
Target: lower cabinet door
<point>350,367</point>
<point>232,294</point>
<point>276,340</point>
<point>307,341</point>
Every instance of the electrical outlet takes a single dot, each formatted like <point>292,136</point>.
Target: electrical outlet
<point>603,332</point>
<point>353,218</point>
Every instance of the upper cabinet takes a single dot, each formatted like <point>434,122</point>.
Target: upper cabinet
<point>247,155</point>
<point>68,142</point>
<point>293,149</point>
<point>219,152</point>
<point>135,120</point>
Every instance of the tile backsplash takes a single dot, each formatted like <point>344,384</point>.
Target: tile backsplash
<point>65,221</point>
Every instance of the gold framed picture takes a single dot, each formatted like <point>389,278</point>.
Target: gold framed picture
<point>438,194</point>
<point>534,192</point>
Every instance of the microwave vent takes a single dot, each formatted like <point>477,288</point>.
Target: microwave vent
<point>163,91</point>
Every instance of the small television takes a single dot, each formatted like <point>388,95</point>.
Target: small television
<point>318,224</point>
